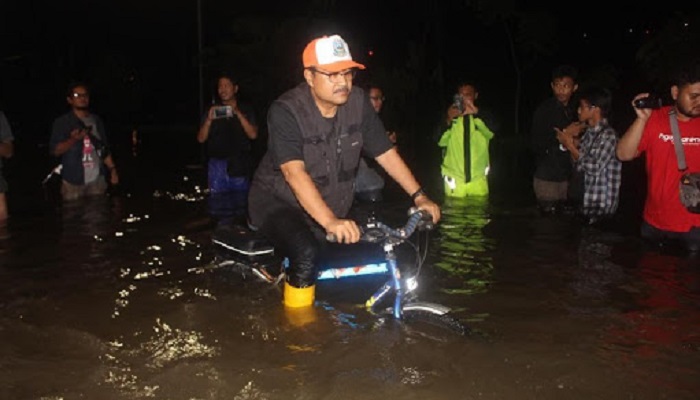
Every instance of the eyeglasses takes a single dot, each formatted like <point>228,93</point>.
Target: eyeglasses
<point>377,98</point>
<point>336,77</point>
<point>84,95</point>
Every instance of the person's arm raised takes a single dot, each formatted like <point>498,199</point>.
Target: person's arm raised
<point>250,130</point>
<point>203,133</point>
<point>629,142</point>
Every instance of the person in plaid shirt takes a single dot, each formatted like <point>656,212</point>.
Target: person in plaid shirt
<point>593,152</point>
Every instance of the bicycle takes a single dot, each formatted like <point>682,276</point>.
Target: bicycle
<point>252,252</point>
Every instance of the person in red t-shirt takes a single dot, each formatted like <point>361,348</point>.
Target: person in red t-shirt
<point>665,217</point>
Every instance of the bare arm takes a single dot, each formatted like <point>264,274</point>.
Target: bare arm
<point>203,133</point>
<point>394,165</point>
<point>629,142</point>
<point>112,168</point>
<point>250,130</point>
<point>627,146</point>
<point>304,189</point>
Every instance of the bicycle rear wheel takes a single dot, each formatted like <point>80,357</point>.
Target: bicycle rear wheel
<point>435,315</point>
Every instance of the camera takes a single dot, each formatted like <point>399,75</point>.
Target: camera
<point>458,102</point>
<point>648,102</point>
<point>223,112</point>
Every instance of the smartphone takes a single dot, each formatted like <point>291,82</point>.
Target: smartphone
<point>458,102</point>
<point>223,112</point>
<point>648,102</point>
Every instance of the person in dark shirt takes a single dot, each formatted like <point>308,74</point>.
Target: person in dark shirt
<point>227,129</point>
<point>303,187</point>
<point>80,140</point>
<point>553,162</point>
<point>369,181</point>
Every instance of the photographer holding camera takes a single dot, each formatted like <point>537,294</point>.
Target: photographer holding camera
<point>227,129</point>
<point>79,138</point>
<point>465,139</point>
<point>665,216</point>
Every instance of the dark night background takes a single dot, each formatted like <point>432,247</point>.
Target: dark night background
<point>143,61</point>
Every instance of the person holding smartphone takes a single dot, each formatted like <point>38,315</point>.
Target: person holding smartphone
<point>227,129</point>
<point>79,139</point>
<point>465,141</point>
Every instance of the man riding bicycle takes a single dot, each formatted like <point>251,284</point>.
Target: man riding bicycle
<point>303,187</point>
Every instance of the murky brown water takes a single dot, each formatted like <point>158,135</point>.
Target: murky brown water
<point>123,298</point>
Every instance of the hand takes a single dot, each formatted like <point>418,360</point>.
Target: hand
<point>113,176</point>
<point>424,203</point>
<point>452,113</point>
<point>78,134</point>
<point>344,231</point>
<point>469,107</point>
<point>575,128</point>
<point>643,113</point>
<point>210,115</point>
<point>565,138</point>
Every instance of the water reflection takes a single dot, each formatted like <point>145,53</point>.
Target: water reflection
<point>595,276</point>
<point>123,298</point>
<point>653,338</point>
<point>463,250</point>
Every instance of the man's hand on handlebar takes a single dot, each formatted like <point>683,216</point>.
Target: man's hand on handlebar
<point>343,231</point>
<point>424,203</point>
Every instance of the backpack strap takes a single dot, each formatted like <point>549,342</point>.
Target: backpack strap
<point>680,154</point>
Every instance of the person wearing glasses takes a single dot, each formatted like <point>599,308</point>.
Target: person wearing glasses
<point>376,97</point>
<point>79,140</point>
<point>369,182</point>
<point>303,187</point>
<point>6,151</point>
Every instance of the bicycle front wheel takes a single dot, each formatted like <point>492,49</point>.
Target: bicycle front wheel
<point>434,315</point>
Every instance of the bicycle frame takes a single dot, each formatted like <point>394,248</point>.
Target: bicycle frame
<point>393,284</point>
<point>404,307</point>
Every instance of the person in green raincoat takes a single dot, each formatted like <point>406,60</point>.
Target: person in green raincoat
<point>465,146</point>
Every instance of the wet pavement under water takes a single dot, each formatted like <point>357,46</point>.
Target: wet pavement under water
<point>124,298</point>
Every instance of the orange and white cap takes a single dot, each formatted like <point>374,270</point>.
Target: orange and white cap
<point>330,53</point>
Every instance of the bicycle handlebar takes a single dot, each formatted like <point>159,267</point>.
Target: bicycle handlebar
<point>375,231</point>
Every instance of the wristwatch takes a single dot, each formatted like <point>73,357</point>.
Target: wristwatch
<point>418,193</point>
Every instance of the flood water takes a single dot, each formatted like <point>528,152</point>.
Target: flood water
<point>125,298</point>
